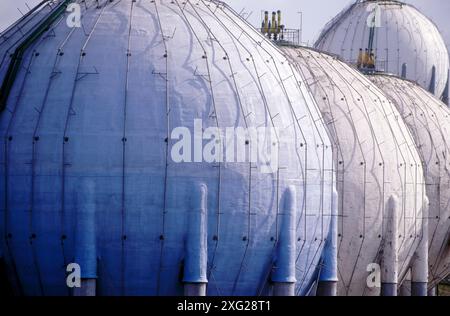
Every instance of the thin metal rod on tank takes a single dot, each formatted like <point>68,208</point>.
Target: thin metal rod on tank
<point>329,275</point>
<point>283,274</point>
<point>85,239</point>
<point>195,263</point>
<point>419,270</point>
<point>389,265</point>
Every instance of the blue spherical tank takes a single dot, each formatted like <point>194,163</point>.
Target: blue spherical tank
<point>158,144</point>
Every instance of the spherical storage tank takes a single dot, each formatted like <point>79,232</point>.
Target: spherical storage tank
<point>403,41</point>
<point>429,121</point>
<point>95,171</point>
<point>379,175</point>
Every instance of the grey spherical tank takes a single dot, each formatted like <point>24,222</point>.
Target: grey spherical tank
<point>112,135</point>
<point>391,37</point>
<point>429,122</point>
<point>380,181</point>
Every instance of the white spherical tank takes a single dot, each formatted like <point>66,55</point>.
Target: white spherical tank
<point>119,154</point>
<point>403,41</point>
<point>429,122</point>
<point>377,163</point>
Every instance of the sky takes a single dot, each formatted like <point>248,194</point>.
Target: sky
<point>315,14</point>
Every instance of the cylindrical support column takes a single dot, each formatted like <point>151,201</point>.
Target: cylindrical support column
<point>283,274</point>
<point>85,238</point>
<point>419,270</point>
<point>389,264</point>
<point>432,88</point>
<point>328,274</point>
<point>404,70</point>
<point>195,263</point>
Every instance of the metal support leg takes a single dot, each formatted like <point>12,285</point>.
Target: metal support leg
<point>85,238</point>
<point>328,275</point>
<point>283,274</point>
<point>419,271</point>
<point>389,266</point>
<point>195,265</point>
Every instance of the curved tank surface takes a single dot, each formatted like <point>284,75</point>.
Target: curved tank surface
<point>377,164</point>
<point>429,121</point>
<point>404,42</point>
<point>95,156</point>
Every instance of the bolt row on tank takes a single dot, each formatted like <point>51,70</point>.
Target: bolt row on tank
<point>356,183</point>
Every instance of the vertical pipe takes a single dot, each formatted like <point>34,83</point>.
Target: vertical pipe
<point>266,23</point>
<point>283,274</point>
<point>279,22</point>
<point>389,266</point>
<point>85,239</point>
<point>195,265</point>
<point>328,275</point>
<point>404,70</point>
<point>432,88</point>
<point>419,271</point>
<point>273,29</point>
